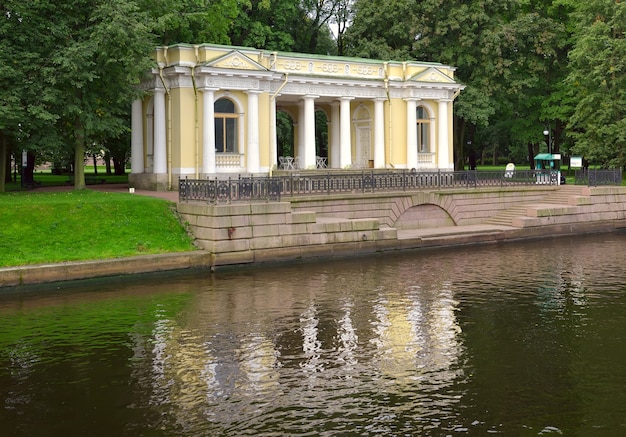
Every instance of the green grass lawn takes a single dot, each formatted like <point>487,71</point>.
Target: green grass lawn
<point>86,225</point>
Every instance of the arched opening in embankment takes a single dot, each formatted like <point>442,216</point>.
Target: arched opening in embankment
<point>423,216</point>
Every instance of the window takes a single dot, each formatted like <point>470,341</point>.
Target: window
<point>225,126</point>
<point>423,130</point>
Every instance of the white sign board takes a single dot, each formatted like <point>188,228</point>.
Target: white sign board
<point>575,161</point>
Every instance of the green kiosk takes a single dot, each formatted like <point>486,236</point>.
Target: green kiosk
<point>549,164</point>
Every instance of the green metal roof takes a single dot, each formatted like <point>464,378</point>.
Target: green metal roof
<point>547,157</point>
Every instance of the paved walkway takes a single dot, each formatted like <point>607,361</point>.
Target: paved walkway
<point>114,188</point>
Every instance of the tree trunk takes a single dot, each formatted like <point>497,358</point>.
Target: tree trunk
<point>531,155</point>
<point>79,156</point>
<point>459,156</point>
<point>107,163</point>
<point>28,172</point>
<point>118,166</point>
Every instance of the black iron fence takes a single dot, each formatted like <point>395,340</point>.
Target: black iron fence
<point>592,178</point>
<point>251,188</point>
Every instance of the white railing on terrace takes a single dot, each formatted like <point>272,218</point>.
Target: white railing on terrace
<point>426,160</point>
<point>229,161</point>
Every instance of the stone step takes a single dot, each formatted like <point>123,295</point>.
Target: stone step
<point>560,196</point>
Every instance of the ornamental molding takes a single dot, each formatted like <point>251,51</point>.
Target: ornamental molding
<point>179,81</point>
<point>331,90</point>
<point>231,83</point>
<point>330,67</point>
<point>432,75</point>
<point>235,60</point>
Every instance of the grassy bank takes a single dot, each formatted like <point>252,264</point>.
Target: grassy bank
<point>85,225</point>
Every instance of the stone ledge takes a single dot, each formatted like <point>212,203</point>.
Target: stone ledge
<point>69,271</point>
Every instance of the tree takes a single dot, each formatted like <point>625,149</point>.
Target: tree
<point>75,65</point>
<point>27,114</point>
<point>194,21</point>
<point>598,81</point>
<point>342,19</point>
<point>102,53</point>
<point>267,24</point>
<point>381,30</point>
<point>509,54</point>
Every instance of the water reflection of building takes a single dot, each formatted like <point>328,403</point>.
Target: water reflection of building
<point>245,346</point>
<point>417,335</point>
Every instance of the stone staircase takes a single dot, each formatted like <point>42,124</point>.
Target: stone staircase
<point>560,196</point>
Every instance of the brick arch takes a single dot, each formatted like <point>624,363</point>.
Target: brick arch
<point>425,210</point>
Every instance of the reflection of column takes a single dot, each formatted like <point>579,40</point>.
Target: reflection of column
<point>411,133</point>
<point>208,129</point>
<point>345,155</point>
<point>311,346</point>
<point>136,162</point>
<point>442,132</point>
<point>379,134</point>
<point>253,132</point>
<point>334,135</point>
<point>307,159</point>
<point>160,151</point>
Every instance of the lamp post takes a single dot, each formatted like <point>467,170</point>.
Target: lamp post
<point>546,133</point>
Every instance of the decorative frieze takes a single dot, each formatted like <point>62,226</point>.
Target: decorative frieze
<point>231,83</point>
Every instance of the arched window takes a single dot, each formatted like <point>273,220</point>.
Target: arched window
<point>423,130</point>
<point>225,126</point>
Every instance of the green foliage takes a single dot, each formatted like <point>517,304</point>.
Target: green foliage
<point>510,54</point>
<point>77,64</point>
<point>267,24</point>
<point>56,227</point>
<point>194,21</point>
<point>598,81</point>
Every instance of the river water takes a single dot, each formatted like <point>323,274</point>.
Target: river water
<point>514,339</point>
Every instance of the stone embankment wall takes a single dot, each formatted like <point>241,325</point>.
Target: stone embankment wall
<point>258,232</point>
<point>343,225</point>
<point>406,210</point>
<point>594,204</point>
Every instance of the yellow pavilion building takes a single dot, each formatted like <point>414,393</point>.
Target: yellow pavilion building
<point>211,111</point>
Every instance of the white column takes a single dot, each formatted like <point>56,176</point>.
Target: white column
<point>273,139</point>
<point>307,159</point>
<point>345,155</point>
<point>298,149</point>
<point>379,134</point>
<point>208,131</point>
<point>137,158</point>
<point>335,139</point>
<point>411,133</point>
<point>160,150</point>
<point>252,151</point>
<point>443,154</point>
